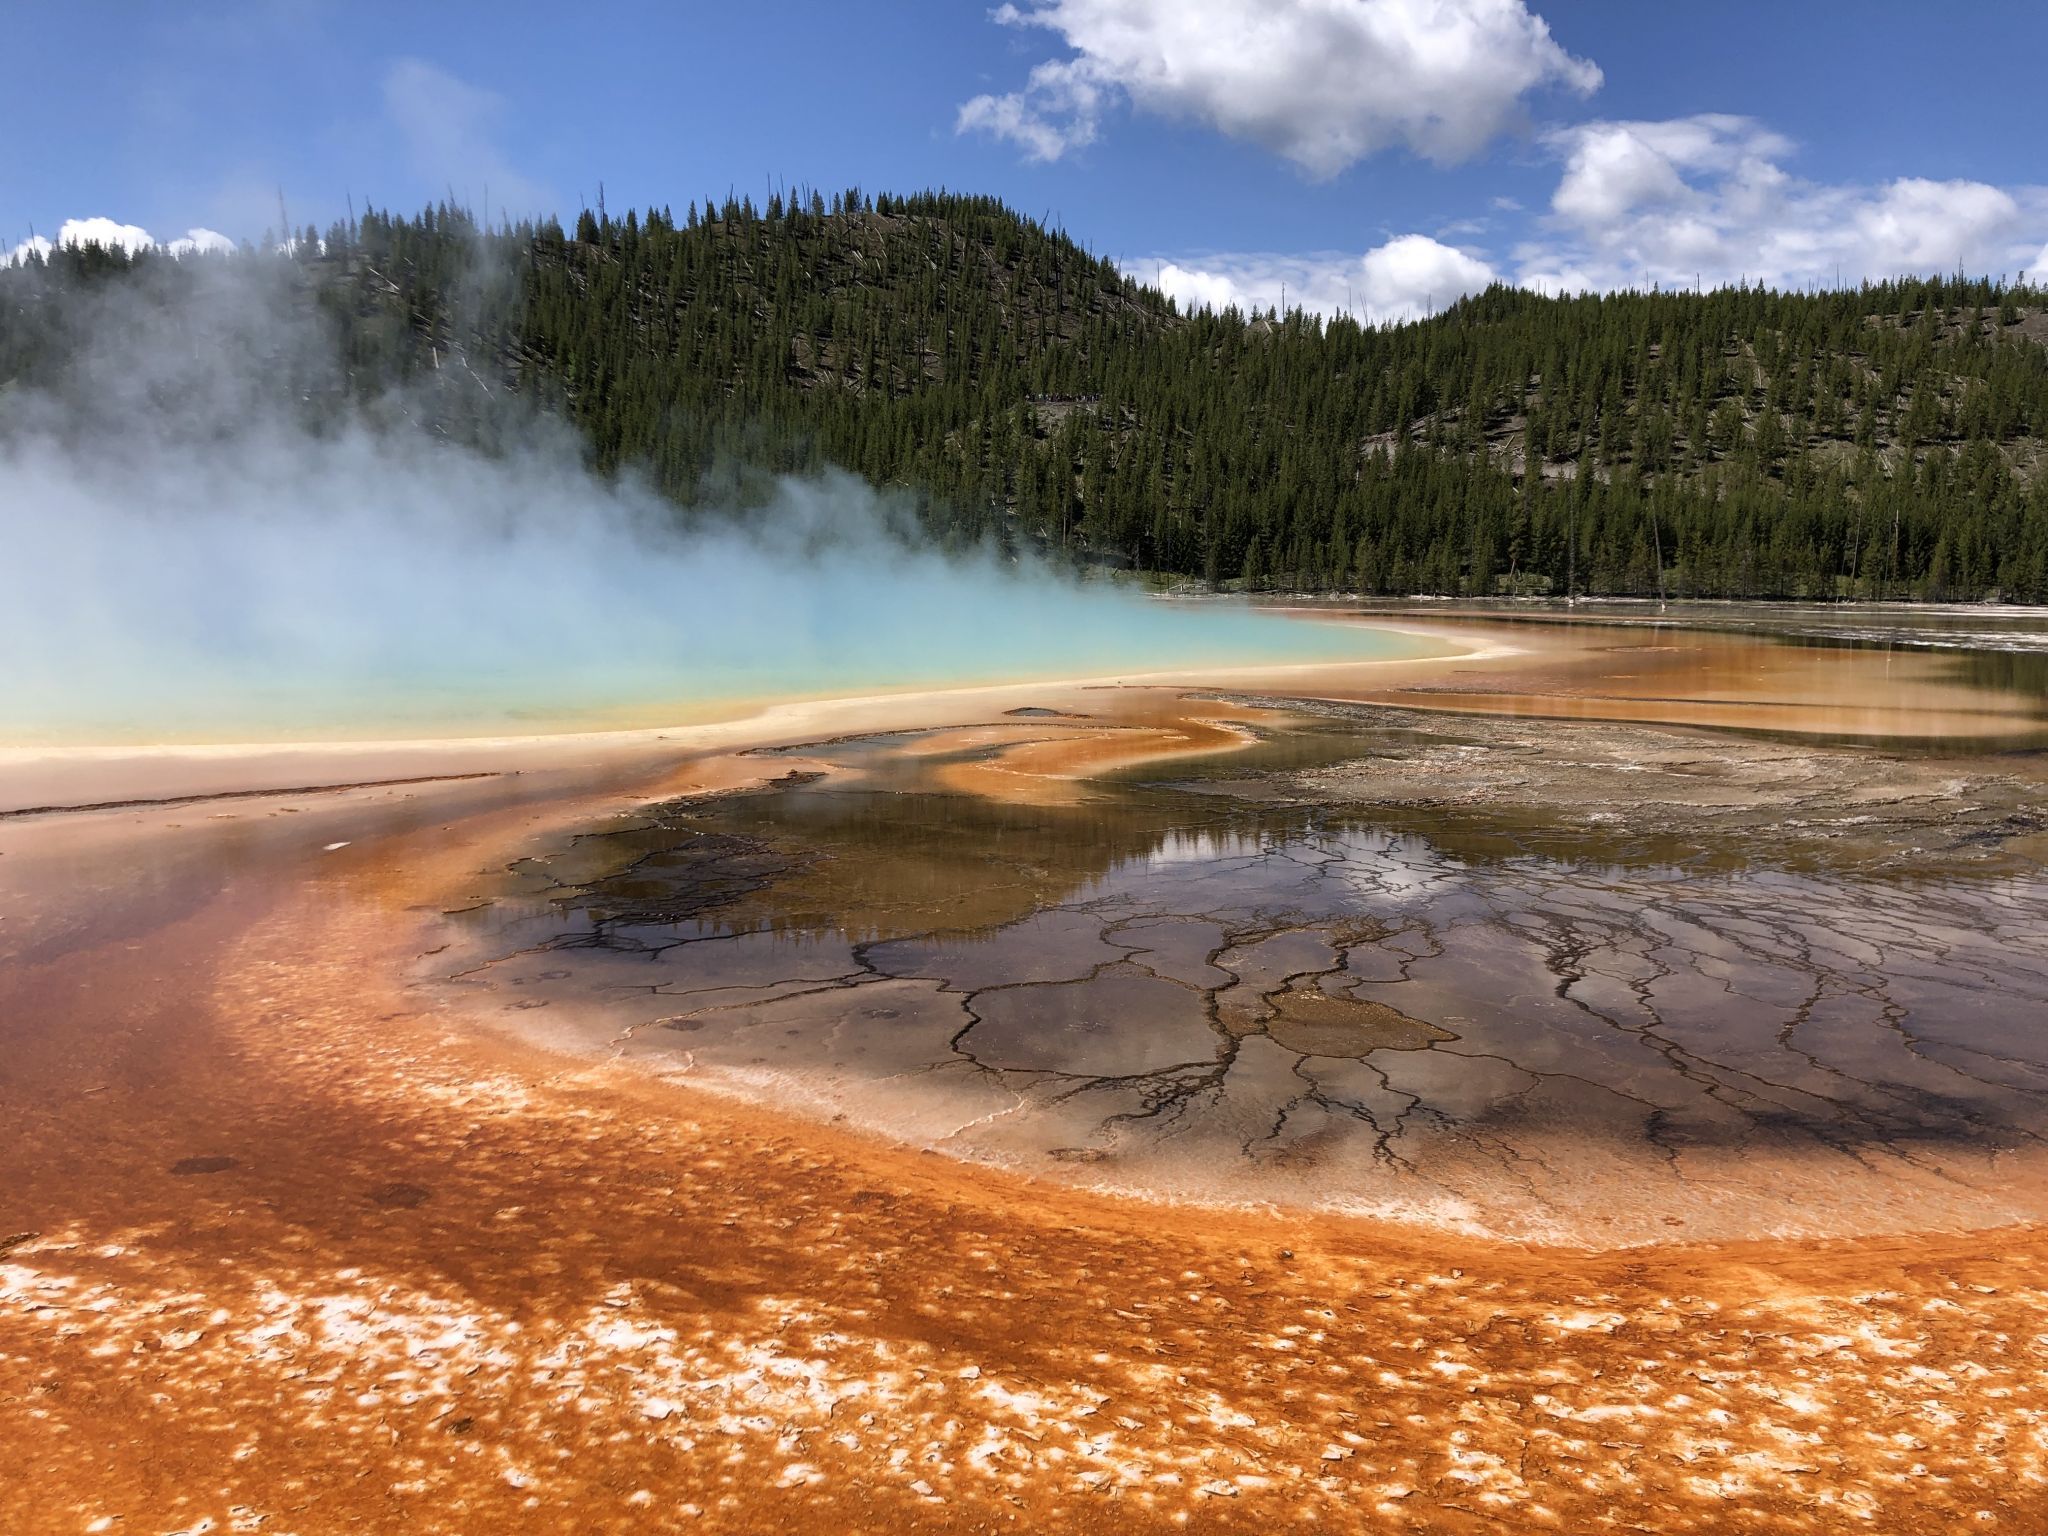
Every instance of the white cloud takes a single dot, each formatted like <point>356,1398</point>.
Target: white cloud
<point>108,233</point>
<point>114,235</point>
<point>1235,284</point>
<point>1613,168</point>
<point>1706,198</point>
<point>1667,203</point>
<point>1611,172</point>
<point>1323,82</point>
<point>199,241</point>
<point>1703,198</point>
<point>449,128</point>
<point>1408,277</point>
<point>1056,112</point>
<point>1414,272</point>
<point>1928,225</point>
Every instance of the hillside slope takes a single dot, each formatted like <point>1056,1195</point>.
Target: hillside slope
<point>1887,441</point>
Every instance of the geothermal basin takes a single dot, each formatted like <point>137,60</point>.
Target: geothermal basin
<point>1553,1066</point>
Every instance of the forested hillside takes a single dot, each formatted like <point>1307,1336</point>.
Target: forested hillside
<point>1886,441</point>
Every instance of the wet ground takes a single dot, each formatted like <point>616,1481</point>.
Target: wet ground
<point>1605,982</point>
<point>1959,681</point>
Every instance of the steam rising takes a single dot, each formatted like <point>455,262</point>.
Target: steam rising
<point>190,559</point>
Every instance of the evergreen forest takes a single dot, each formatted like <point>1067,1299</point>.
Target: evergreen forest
<point>1885,441</point>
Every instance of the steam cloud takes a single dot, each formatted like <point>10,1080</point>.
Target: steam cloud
<point>191,559</point>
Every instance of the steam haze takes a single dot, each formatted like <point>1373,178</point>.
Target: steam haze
<point>194,554</point>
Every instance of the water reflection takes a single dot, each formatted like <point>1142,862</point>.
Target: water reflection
<point>1937,681</point>
<point>1206,983</point>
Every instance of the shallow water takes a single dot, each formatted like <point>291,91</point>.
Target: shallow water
<point>1949,680</point>
<point>808,642</point>
<point>1266,976</point>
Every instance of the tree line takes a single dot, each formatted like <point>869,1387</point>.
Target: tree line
<point>1883,441</point>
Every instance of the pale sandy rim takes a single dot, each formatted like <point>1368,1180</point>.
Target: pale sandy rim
<point>773,722</point>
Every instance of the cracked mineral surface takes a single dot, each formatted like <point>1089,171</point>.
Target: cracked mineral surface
<point>1599,983</point>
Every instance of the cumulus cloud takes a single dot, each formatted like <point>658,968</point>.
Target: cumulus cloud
<point>1703,198</point>
<point>1324,83</point>
<point>116,236</point>
<point>1706,198</point>
<point>1236,281</point>
<point>1405,274</point>
<point>1404,279</point>
<point>198,241</point>
<point>1614,168</point>
<point>449,128</point>
<point>1058,110</point>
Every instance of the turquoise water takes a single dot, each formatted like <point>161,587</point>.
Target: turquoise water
<point>368,584</point>
<point>812,647</point>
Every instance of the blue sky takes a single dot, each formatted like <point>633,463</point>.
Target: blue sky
<point>1377,154</point>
